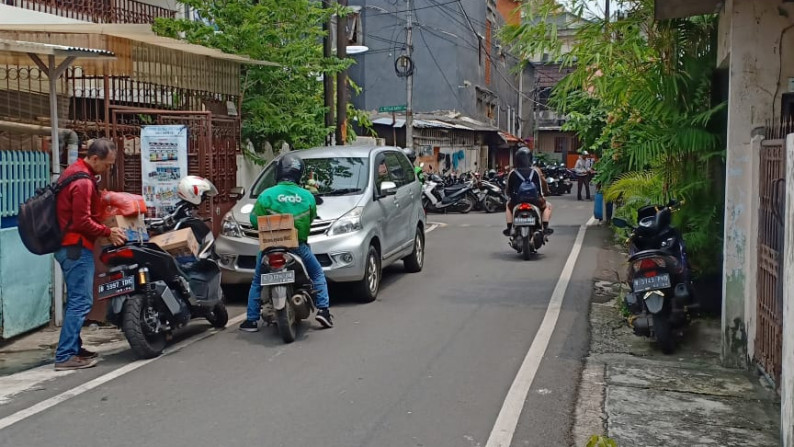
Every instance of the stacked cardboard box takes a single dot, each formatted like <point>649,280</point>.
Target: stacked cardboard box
<point>277,230</point>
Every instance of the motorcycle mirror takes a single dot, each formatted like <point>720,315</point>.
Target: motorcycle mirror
<point>673,202</point>
<point>620,223</point>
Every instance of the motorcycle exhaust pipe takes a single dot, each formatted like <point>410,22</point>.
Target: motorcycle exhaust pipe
<point>300,302</point>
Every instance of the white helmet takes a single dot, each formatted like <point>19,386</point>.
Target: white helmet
<point>192,189</point>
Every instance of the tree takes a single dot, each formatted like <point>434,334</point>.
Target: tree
<point>279,104</point>
<point>640,97</point>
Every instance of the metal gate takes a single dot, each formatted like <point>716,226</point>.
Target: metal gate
<point>769,332</point>
<point>213,143</point>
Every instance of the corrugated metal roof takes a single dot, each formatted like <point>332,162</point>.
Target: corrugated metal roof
<point>137,33</point>
<point>19,46</point>
<point>435,121</point>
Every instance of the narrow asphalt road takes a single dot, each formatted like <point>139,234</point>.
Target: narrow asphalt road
<point>428,364</point>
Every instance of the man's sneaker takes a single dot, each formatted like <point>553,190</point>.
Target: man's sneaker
<point>506,231</point>
<point>75,362</point>
<point>249,326</point>
<point>548,231</point>
<point>86,354</point>
<point>325,318</point>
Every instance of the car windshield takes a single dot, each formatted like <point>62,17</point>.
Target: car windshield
<point>334,176</point>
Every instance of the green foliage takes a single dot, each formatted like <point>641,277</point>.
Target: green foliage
<point>280,104</point>
<point>640,96</point>
<point>601,441</point>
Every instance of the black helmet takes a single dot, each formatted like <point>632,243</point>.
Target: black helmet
<point>289,168</point>
<point>410,154</point>
<point>492,173</point>
<point>523,158</point>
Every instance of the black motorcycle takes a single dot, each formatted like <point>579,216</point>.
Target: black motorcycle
<point>287,291</point>
<point>661,292</point>
<point>152,294</point>
<point>436,197</point>
<point>527,235</point>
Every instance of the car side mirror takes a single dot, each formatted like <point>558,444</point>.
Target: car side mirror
<point>388,189</point>
<point>237,192</point>
<point>620,223</point>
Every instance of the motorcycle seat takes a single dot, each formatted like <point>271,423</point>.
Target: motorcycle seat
<point>454,188</point>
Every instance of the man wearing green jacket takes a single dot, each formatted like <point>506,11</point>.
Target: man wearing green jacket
<point>289,198</point>
<point>420,173</point>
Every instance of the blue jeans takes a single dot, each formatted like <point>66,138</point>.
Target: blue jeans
<point>79,275</point>
<point>313,268</point>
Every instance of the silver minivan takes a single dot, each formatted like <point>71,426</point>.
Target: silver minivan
<point>369,210</point>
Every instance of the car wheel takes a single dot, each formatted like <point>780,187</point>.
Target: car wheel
<point>367,289</point>
<point>416,260</point>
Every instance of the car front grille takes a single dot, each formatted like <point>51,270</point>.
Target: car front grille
<point>246,262</point>
<point>324,260</point>
<point>318,227</point>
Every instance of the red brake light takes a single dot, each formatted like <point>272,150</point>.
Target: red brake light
<point>525,206</point>
<point>647,264</point>
<point>125,253</point>
<point>276,260</point>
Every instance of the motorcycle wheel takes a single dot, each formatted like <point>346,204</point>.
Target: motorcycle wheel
<point>525,253</point>
<point>286,321</point>
<point>218,316</point>
<point>490,205</point>
<point>134,319</point>
<point>426,204</point>
<point>466,204</point>
<point>663,332</point>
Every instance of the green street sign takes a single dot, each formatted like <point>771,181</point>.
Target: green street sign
<point>400,108</point>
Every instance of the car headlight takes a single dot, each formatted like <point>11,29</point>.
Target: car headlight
<point>230,227</point>
<point>348,223</point>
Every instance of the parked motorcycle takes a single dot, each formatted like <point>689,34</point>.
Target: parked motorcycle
<point>661,292</point>
<point>436,197</point>
<point>490,197</point>
<point>152,294</point>
<point>527,236</point>
<point>287,292</point>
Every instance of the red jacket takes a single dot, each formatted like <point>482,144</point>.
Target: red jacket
<point>79,209</point>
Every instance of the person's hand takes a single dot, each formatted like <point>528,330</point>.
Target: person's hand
<point>117,236</point>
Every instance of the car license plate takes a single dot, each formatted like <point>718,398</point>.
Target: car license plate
<point>272,279</point>
<point>518,221</point>
<point>653,283</point>
<point>116,287</point>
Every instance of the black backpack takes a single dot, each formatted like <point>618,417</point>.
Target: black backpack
<point>38,218</point>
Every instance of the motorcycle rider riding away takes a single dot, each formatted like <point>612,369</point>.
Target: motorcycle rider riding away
<point>523,166</point>
<point>289,198</point>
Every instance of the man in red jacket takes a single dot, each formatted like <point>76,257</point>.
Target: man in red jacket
<point>79,210</point>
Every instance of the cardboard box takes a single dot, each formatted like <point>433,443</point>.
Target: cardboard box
<point>277,230</point>
<point>134,227</point>
<point>182,244</point>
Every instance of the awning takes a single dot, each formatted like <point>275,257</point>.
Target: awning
<point>136,33</point>
<point>509,138</point>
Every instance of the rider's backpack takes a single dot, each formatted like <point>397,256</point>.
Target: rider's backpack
<point>38,219</point>
<point>527,190</point>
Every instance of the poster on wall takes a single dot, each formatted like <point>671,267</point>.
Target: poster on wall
<point>163,163</point>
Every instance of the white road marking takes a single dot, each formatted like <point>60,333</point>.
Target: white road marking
<point>90,385</point>
<point>17,383</point>
<point>434,226</point>
<point>506,422</point>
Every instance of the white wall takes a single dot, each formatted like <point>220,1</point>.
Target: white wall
<point>753,39</point>
<point>11,15</point>
<point>787,376</point>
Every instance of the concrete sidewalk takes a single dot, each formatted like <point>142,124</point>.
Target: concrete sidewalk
<point>38,347</point>
<point>638,396</point>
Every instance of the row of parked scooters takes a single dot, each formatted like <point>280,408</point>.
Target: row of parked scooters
<point>448,192</point>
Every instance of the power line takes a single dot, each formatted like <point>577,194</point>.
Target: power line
<point>441,70</point>
<point>412,9</point>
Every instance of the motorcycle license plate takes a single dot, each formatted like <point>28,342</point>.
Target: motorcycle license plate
<point>653,283</point>
<point>272,279</point>
<point>519,221</point>
<point>116,287</point>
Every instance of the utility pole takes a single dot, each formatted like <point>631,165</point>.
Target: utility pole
<point>606,11</point>
<point>328,79</point>
<point>409,93</point>
<point>341,77</point>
